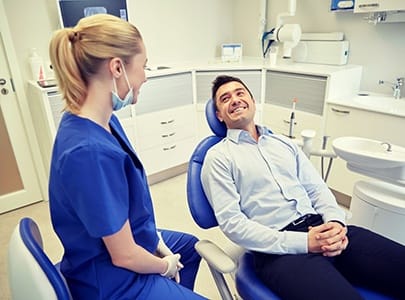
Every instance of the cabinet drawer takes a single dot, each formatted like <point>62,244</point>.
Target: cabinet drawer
<point>204,79</point>
<point>165,126</point>
<point>282,88</point>
<point>164,92</point>
<point>166,156</point>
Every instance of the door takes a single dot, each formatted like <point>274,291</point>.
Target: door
<point>18,181</point>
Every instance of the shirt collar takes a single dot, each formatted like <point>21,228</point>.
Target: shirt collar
<point>238,135</point>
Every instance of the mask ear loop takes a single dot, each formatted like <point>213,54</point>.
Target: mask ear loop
<point>269,42</point>
<point>126,78</point>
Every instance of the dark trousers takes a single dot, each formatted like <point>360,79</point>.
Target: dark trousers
<point>370,260</point>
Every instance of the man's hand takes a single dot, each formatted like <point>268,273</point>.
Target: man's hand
<point>329,239</point>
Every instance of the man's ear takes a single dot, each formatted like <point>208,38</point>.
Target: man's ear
<point>218,116</point>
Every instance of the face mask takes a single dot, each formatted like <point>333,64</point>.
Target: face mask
<point>117,102</point>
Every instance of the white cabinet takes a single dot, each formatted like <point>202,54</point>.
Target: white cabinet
<point>166,138</point>
<point>348,121</point>
<point>46,107</point>
<point>281,89</point>
<point>165,122</point>
<point>364,6</point>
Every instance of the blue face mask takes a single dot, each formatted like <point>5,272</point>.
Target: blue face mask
<point>117,102</point>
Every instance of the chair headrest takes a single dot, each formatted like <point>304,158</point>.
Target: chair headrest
<point>217,127</point>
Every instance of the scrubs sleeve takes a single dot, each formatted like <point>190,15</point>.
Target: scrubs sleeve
<point>97,187</point>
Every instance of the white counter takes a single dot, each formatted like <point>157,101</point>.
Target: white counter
<point>379,103</point>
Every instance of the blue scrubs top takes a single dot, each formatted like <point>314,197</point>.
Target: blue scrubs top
<point>97,183</point>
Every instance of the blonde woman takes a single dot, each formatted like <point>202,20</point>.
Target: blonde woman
<point>100,202</point>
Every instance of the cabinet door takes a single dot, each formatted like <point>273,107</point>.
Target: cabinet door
<point>164,92</point>
<point>346,121</point>
<point>282,88</point>
<point>166,156</point>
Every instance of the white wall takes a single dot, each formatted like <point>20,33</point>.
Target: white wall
<point>379,49</point>
<point>175,30</point>
<point>184,30</point>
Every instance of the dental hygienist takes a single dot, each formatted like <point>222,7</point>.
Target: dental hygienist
<point>100,203</point>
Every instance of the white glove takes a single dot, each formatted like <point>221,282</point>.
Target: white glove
<point>164,251</point>
<point>172,269</point>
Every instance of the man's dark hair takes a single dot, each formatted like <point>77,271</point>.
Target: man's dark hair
<point>220,81</point>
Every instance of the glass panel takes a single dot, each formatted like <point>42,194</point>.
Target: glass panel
<point>10,179</point>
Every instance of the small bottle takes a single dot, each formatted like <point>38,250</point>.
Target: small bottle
<point>37,66</point>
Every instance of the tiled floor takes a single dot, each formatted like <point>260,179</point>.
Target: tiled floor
<point>171,212</point>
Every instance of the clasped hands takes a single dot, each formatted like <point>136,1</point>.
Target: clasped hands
<point>173,260</point>
<point>329,239</point>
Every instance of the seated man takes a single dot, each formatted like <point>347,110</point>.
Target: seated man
<point>268,198</point>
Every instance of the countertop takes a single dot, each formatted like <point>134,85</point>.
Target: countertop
<point>380,103</point>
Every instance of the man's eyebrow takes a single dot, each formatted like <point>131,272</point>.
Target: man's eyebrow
<point>228,92</point>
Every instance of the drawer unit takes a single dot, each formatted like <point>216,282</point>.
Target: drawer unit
<point>165,127</point>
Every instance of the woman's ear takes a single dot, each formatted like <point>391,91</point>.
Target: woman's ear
<point>115,66</point>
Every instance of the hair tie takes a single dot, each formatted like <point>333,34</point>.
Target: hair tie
<point>75,36</point>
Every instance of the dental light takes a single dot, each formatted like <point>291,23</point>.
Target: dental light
<point>287,34</point>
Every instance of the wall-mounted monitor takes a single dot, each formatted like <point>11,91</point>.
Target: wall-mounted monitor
<point>71,11</point>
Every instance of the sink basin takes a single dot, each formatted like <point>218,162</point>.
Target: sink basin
<point>369,153</point>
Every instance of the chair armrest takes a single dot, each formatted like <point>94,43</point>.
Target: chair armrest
<point>215,257</point>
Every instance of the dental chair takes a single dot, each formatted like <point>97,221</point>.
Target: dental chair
<point>248,285</point>
<point>31,274</point>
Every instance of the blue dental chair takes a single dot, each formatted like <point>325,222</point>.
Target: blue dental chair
<point>31,274</point>
<point>248,285</point>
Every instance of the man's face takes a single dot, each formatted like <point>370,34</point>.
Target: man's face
<point>235,106</point>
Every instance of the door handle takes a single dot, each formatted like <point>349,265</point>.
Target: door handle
<point>2,81</point>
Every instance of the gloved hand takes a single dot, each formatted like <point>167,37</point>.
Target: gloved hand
<point>163,251</point>
<point>172,269</point>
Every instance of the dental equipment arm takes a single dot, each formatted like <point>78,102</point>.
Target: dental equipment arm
<point>287,34</point>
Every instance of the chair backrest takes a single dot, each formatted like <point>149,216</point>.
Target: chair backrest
<point>198,204</point>
<point>31,274</point>
<point>217,127</point>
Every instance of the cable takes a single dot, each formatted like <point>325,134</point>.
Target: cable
<point>269,42</point>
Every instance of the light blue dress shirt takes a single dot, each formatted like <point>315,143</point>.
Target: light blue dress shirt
<point>258,188</point>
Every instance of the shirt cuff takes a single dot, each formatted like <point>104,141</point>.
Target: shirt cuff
<point>296,242</point>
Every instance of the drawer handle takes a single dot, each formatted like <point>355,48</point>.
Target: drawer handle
<point>168,135</point>
<point>167,122</point>
<point>288,122</point>
<point>340,111</point>
<point>169,148</point>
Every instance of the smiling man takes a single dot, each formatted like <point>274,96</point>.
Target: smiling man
<point>268,198</point>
